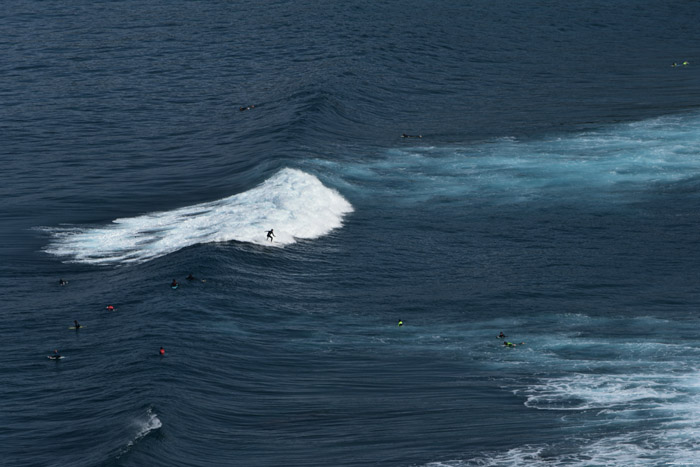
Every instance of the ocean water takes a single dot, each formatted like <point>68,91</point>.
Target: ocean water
<point>554,195</point>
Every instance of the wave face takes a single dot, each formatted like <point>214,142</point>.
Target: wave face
<point>296,204</point>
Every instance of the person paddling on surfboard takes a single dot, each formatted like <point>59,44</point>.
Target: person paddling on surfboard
<point>270,234</point>
<point>55,356</point>
<point>76,324</point>
<point>174,284</point>
<point>192,278</point>
<point>62,282</point>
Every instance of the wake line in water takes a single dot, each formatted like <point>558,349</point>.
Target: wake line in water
<point>616,164</point>
<point>297,205</point>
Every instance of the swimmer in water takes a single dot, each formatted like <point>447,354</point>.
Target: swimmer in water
<point>243,109</point>
<point>62,282</point>
<point>404,135</point>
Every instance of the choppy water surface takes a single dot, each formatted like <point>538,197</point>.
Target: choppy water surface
<point>553,196</point>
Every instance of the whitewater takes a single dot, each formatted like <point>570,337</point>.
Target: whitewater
<point>297,202</point>
<point>553,197</point>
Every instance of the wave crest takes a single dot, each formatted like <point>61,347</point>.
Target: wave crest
<point>296,204</point>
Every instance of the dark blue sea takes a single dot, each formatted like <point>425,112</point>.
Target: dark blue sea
<point>466,167</point>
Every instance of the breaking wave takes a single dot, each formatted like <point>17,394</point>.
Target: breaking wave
<point>296,204</point>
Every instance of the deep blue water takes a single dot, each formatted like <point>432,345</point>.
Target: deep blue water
<point>554,196</point>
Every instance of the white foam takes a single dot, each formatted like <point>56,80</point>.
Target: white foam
<point>293,203</point>
<point>143,425</point>
<point>638,449</point>
<point>149,423</point>
<point>598,391</point>
<point>616,164</point>
<point>595,454</point>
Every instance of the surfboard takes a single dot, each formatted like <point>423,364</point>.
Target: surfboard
<point>51,357</point>
<point>174,287</point>
<point>80,327</point>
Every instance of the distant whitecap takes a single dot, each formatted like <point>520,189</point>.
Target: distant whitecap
<point>145,425</point>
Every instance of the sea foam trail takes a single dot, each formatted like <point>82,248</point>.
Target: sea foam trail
<point>293,203</point>
<point>617,164</point>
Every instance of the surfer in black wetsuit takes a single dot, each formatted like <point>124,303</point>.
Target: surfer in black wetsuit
<point>190,277</point>
<point>270,234</point>
<point>243,109</point>
<point>56,355</point>
<point>62,282</point>
<point>76,324</point>
<point>411,136</point>
<point>501,335</point>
